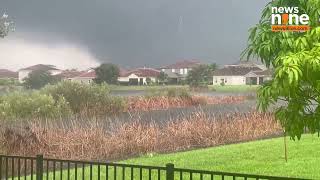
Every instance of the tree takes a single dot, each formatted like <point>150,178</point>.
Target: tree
<point>212,67</point>
<point>107,73</point>
<point>148,81</point>
<point>162,78</point>
<point>38,79</point>
<point>201,75</point>
<point>295,57</point>
<point>5,26</point>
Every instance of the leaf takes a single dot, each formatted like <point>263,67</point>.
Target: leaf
<point>295,58</point>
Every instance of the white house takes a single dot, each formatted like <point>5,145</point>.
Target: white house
<point>241,74</point>
<point>23,73</point>
<point>181,68</point>
<point>258,77</point>
<point>139,76</point>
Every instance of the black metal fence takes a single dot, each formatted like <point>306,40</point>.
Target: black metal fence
<point>39,168</point>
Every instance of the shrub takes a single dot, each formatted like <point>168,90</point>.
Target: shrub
<point>183,93</point>
<point>87,99</point>
<point>5,82</point>
<point>32,105</point>
<point>148,80</point>
<point>169,92</point>
<point>38,79</point>
<point>162,78</point>
<point>9,88</point>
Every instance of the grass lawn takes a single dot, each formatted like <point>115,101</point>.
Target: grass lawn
<point>265,157</point>
<point>234,88</point>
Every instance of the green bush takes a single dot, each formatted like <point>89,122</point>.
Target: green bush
<point>32,105</point>
<point>169,92</point>
<point>184,93</point>
<point>87,99</point>
<point>39,78</point>
<point>9,88</point>
<point>6,82</point>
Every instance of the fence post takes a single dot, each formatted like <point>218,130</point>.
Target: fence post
<point>39,170</point>
<point>170,171</point>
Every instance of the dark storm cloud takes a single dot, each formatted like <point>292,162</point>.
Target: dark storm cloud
<point>141,32</point>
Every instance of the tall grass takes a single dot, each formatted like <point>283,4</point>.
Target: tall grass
<point>135,138</point>
<point>164,102</point>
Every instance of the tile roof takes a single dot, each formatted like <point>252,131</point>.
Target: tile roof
<point>70,74</point>
<point>122,71</point>
<point>143,72</point>
<point>248,62</point>
<point>173,75</point>
<point>235,71</point>
<point>5,73</point>
<point>89,74</point>
<point>267,72</point>
<point>44,67</point>
<point>182,64</point>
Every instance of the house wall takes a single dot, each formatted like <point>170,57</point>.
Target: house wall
<point>260,79</point>
<point>133,76</point>
<point>123,79</point>
<point>145,80</point>
<point>229,80</point>
<point>55,72</point>
<point>166,70</point>
<point>126,79</point>
<point>182,71</point>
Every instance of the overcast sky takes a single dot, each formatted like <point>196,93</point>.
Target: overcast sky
<point>131,33</point>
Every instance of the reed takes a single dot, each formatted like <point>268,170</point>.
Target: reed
<point>136,138</point>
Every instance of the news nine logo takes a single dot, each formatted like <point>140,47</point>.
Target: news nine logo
<point>289,19</point>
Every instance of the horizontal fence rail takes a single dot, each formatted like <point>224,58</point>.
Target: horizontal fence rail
<point>39,168</point>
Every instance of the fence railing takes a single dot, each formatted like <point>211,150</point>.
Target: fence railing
<point>39,168</point>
